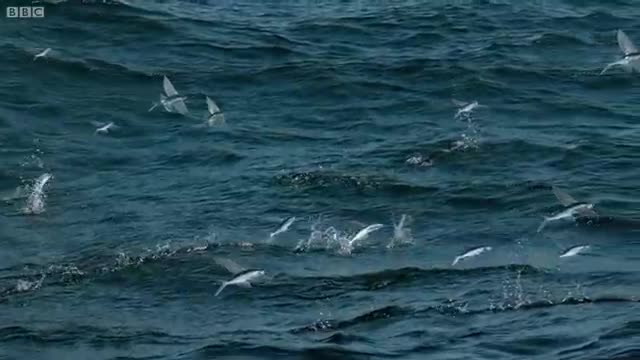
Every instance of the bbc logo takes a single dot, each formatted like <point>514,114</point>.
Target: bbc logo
<point>25,11</point>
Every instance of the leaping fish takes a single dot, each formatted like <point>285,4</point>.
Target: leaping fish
<point>171,100</point>
<point>466,108</point>
<point>42,54</point>
<point>575,250</point>
<point>631,59</point>
<point>362,234</point>
<point>215,114</point>
<point>471,253</point>
<point>104,128</point>
<point>241,277</point>
<point>168,103</point>
<point>284,226</point>
<point>575,209</point>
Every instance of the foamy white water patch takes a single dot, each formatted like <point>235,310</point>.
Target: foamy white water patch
<point>419,160</point>
<point>36,201</point>
<point>25,285</point>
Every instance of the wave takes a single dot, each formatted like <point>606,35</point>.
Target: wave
<point>333,286</point>
<point>316,180</point>
<point>245,349</point>
<point>390,314</point>
<point>94,335</point>
<point>91,67</point>
<point>114,12</point>
<point>555,39</point>
<point>119,268</point>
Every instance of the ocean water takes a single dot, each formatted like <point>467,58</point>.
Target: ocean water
<point>342,114</point>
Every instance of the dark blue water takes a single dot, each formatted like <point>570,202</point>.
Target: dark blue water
<point>341,114</point>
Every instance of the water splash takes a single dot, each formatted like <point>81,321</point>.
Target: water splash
<point>34,160</point>
<point>577,293</point>
<point>470,137</point>
<point>401,232</point>
<point>329,238</point>
<point>419,160</point>
<point>36,200</point>
<point>469,140</point>
<point>513,294</point>
<point>25,285</point>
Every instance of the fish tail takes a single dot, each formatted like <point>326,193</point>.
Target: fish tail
<point>543,224</point>
<point>224,285</point>
<point>610,65</point>
<point>403,218</point>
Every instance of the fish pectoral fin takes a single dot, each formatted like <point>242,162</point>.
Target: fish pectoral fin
<point>245,285</point>
<point>563,197</point>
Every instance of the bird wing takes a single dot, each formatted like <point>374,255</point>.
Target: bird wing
<point>229,264</point>
<point>564,198</point>
<point>168,87</point>
<point>213,108</point>
<point>626,45</point>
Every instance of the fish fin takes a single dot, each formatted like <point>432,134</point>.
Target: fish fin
<point>455,261</point>
<point>168,87</point>
<point>224,285</point>
<point>229,264</point>
<point>181,107</point>
<point>245,285</point>
<point>563,197</point>
<point>626,45</point>
<point>211,105</point>
<point>458,103</point>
